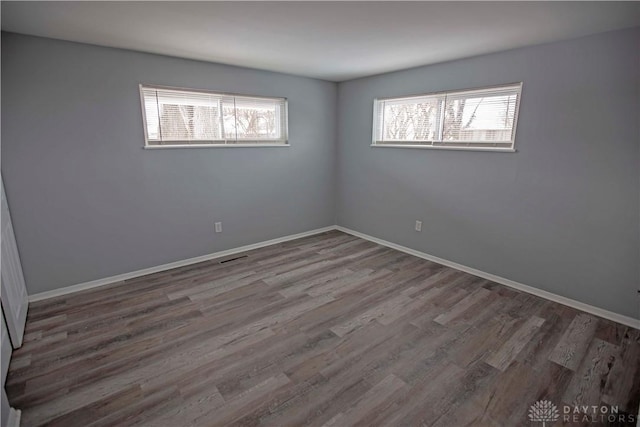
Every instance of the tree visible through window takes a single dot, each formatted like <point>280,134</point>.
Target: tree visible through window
<point>182,117</point>
<point>475,118</point>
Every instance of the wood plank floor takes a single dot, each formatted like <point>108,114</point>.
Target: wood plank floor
<point>325,330</point>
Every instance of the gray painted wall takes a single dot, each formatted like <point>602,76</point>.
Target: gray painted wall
<point>88,202</point>
<point>561,214</point>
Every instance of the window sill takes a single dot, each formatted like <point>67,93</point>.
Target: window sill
<point>437,147</point>
<point>161,147</point>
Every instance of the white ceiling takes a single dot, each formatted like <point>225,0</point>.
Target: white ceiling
<point>334,41</point>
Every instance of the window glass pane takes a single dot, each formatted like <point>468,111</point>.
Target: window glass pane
<point>410,120</point>
<point>257,119</point>
<point>151,115</point>
<point>229,118</point>
<point>178,117</point>
<point>188,116</point>
<point>479,118</point>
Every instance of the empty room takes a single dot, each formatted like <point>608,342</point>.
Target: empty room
<point>320,213</point>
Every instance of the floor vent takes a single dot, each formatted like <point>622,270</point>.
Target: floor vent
<point>233,259</point>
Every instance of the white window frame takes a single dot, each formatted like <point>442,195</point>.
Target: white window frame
<point>221,143</point>
<point>438,144</point>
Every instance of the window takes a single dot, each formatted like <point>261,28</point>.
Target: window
<point>184,117</point>
<point>483,119</point>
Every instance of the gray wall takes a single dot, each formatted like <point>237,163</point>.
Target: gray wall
<point>88,202</point>
<point>560,214</point>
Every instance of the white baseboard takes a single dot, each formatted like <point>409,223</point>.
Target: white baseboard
<point>126,276</point>
<point>14,417</point>
<point>625,320</point>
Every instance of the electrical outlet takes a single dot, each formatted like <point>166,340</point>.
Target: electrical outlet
<point>218,227</point>
<point>418,225</point>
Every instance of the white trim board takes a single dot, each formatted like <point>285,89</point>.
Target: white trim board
<point>625,320</point>
<point>610,315</point>
<point>126,276</point>
<point>14,417</point>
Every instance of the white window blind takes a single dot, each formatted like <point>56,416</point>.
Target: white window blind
<point>176,117</point>
<point>480,118</point>
<point>415,120</point>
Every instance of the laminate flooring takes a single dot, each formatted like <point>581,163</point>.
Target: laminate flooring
<point>327,330</point>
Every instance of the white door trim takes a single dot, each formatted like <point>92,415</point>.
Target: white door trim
<point>15,302</point>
